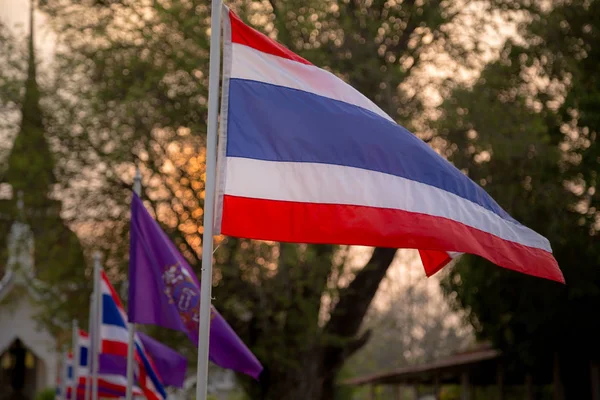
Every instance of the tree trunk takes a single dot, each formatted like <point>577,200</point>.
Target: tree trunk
<point>346,319</point>
<point>311,372</point>
<point>557,390</point>
<point>595,379</point>
<point>292,384</point>
<point>575,375</point>
<point>529,387</point>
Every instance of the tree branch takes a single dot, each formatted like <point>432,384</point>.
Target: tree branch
<point>357,344</point>
<point>354,302</point>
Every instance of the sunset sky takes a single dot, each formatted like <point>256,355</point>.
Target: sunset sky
<point>407,269</point>
<point>15,14</point>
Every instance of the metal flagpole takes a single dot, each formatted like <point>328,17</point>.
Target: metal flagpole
<point>76,356</point>
<point>209,200</point>
<point>97,322</point>
<point>64,375</point>
<point>137,188</point>
<point>88,357</point>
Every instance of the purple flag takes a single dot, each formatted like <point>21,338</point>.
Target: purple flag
<point>164,291</point>
<point>111,364</point>
<point>170,364</point>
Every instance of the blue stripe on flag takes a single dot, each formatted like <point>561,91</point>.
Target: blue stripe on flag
<point>112,316</point>
<point>274,123</point>
<point>110,312</point>
<point>83,354</point>
<point>150,371</point>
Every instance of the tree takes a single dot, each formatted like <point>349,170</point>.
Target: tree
<point>411,325</point>
<point>132,90</point>
<point>527,131</point>
<point>28,172</point>
<point>12,58</point>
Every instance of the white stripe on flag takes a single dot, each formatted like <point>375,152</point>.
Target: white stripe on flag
<point>255,65</point>
<point>284,181</point>
<point>114,333</point>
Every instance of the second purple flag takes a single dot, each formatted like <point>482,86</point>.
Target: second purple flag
<point>164,291</point>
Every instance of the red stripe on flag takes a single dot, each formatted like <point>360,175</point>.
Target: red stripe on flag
<point>243,34</point>
<point>114,348</point>
<point>103,395</point>
<point>104,386</point>
<point>113,292</point>
<point>109,389</point>
<point>434,260</point>
<point>143,381</point>
<point>358,225</point>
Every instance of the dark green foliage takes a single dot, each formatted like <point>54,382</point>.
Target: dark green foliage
<point>527,131</point>
<point>48,394</point>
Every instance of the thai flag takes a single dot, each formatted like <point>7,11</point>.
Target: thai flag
<point>68,378</point>
<point>304,157</point>
<point>84,354</point>
<point>112,379</point>
<point>110,384</point>
<point>115,338</point>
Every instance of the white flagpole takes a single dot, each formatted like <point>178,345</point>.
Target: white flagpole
<point>88,358</point>
<point>97,323</point>
<point>137,188</point>
<point>64,374</point>
<point>209,200</point>
<point>75,350</point>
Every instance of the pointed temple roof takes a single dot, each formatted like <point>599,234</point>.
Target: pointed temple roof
<point>30,163</point>
<point>30,173</point>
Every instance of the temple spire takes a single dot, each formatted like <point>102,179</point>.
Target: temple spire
<point>31,46</point>
<point>31,164</point>
<point>31,101</point>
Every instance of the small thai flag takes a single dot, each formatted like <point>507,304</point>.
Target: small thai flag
<point>115,337</point>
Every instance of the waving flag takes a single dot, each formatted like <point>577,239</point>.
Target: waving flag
<point>111,379</point>
<point>304,157</point>
<point>114,336</point>
<point>164,291</point>
<point>64,379</point>
<point>171,365</point>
